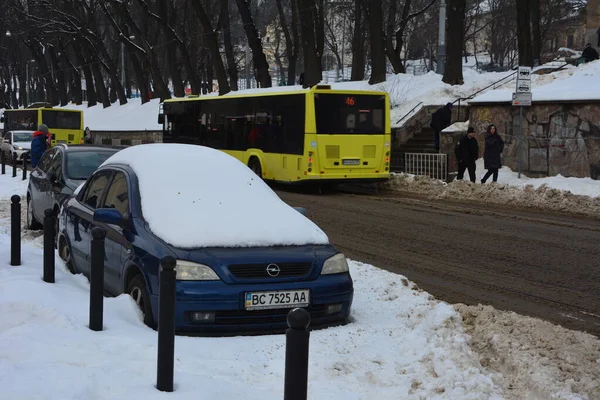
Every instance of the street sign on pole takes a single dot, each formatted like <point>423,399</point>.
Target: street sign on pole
<point>522,98</point>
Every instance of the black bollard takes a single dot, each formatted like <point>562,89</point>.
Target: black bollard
<point>166,325</point>
<point>97,279</point>
<point>3,161</point>
<point>296,355</point>
<point>14,165</point>
<point>49,266</point>
<point>15,230</point>
<point>24,166</point>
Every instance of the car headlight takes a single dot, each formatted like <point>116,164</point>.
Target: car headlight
<point>335,265</point>
<point>190,271</point>
<point>18,147</point>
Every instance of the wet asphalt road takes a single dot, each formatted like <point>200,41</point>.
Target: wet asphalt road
<point>534,263</point>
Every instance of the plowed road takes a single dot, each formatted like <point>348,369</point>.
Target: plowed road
<point>537,264</point>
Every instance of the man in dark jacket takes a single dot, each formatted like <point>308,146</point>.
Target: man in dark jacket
<point>589,53</point>
<point>467,153</point>
<point>440,120</point>
<point>39,144</point>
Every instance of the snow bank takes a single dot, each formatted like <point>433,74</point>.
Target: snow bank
<point>401,344</point>
<point>575,196</point>
<point>194,196</point>
<point>531,358</point>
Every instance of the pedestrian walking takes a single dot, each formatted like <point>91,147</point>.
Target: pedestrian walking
<point>494,145</point>
<point>467,153</point>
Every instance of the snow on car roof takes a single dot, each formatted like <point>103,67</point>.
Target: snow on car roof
<point>194,196</point>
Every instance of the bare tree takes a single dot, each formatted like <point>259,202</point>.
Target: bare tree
<point>524,32</point>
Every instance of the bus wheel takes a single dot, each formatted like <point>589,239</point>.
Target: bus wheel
<point>254,165</point>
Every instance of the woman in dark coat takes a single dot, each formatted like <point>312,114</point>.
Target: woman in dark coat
<point>494,145</point>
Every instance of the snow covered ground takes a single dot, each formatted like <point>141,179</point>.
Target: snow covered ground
<point>577,196</point>
<point>401,343</point>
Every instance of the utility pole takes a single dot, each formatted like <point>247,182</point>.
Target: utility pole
<point>441,53</point>
<point>247,66</point>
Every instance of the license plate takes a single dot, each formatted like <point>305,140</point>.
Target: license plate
<point>277,299</point>
<point>350,162</point>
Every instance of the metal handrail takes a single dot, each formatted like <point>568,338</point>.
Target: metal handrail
<point>413,109</point>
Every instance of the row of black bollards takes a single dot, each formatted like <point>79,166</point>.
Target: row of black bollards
<point>298,319</point>
<point>14,165</point>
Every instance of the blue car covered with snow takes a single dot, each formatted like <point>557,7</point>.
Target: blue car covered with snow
<point>244,257</point>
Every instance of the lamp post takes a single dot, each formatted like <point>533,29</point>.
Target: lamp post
<point>27,79</point>
<point>441,54</point>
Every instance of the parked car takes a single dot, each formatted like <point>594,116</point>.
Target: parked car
<point>60,171</point>
<point>15,144</point>
<point>244,257</point>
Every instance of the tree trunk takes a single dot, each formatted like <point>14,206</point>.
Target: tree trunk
<point>390,51</point>
<point>358,44</point>
<point>62,80</point>
<point>76,94</point>
<point>536,34</point>
<point>258,56</point>
<point>92,99</point>
<point>171,51</point>
<point>100,87</point>
<point>312,66</point>
<point>231,65</point>
<point>524,33</point>
<point>212,41</point>
<point>455,35</point>
<point>378,69</point>
<point>291,44</point>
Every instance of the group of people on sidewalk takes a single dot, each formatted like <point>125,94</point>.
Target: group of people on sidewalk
<point>467,149</point>
<point>467,153</point>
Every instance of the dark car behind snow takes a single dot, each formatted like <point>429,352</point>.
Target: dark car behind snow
<point>60,171</point>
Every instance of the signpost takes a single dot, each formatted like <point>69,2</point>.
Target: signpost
<point>522,98</point>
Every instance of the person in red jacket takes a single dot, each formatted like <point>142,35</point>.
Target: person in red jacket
<point>39,144</point>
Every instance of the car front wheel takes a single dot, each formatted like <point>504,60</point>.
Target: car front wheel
<point>32,223</point>
<point>139,292</point>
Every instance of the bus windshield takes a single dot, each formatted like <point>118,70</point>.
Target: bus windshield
<point>350,114</point>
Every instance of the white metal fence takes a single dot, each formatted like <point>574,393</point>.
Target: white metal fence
<point>434,165</point>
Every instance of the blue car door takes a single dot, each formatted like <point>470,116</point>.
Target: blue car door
<point>40,186</point>
<point>117,246</point>
<point>82,214</point>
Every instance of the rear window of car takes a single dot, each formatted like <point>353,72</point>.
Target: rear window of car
<point>23,136</point>
<point>81,164</point>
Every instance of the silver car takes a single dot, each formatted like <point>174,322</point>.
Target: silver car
<point>16,144</point>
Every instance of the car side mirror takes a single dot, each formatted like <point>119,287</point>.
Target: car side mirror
<point>301,210</point>
<point>7,141</point>
<point>108,216</point>
<point>161,118</point>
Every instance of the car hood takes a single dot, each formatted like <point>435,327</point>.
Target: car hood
<point>220,258</point>
<point>24,145</point>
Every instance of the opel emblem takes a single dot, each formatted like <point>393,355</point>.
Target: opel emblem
<point>273,270</point>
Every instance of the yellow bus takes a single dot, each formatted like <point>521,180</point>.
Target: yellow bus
<point>289,134</point>
<point>65,126</point>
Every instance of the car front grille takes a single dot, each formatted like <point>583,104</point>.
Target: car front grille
<point>273,316</point>
<point>260,271</point>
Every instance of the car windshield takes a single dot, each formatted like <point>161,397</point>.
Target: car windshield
<point>23,136</point>
<point>81,164</point>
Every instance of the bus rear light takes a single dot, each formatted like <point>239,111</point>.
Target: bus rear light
<point>376,171</point>
<point>387,144</point>
<point>387,159</point>
<point>387,153</point>
<point>305,173</point>
<point>309,164</point>
<point>309,159</point>
<point>322,172</point>
<point>386,168</point>
<point>310,170</point>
